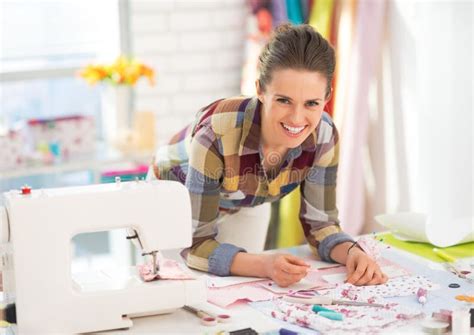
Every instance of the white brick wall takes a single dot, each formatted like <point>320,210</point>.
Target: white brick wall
<point>196,48</point>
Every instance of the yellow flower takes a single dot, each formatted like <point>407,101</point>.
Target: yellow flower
<point>92,74</point>
<point>123,71</point>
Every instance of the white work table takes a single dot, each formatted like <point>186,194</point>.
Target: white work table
<point>243,316</point>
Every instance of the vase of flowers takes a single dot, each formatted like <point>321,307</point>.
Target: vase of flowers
<point>117,79</point>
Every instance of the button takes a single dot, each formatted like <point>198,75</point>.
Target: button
<point>454,285</point>
<point>25,190</point>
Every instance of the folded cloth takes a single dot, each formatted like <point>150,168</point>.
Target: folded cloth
<point>371,246</point>
<point>168,269</point>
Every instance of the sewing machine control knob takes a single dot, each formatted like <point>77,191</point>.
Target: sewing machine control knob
<point>26,190</point>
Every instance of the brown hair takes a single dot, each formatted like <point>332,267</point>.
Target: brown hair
<point>298,47</point>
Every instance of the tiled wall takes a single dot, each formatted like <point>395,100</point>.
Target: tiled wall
<point>196,48</point>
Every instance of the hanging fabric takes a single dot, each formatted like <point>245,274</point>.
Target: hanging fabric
<point>279,12</point>
<point>320,17</point>
<point>295,14</point>
<point>364,58</point>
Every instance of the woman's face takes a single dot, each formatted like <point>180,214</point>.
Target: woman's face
<point>292,106</point>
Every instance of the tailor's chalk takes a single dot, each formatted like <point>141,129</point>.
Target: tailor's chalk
<point>327,313</point>
<point>319,308</point>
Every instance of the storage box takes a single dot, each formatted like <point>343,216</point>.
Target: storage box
<point>70,136</point>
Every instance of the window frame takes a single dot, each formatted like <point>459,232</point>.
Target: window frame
<point>52,72</point>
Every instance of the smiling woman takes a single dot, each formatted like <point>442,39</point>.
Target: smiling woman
<point>293,105</point>
<point>242,152</point>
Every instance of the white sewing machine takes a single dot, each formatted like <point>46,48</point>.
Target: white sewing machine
<point>39,225</point>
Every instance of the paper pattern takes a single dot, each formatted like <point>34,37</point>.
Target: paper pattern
<point>226,296</point>
<point>216,281</point>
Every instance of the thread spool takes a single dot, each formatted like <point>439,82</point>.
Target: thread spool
<point>432,326</point>
<point>208,321</point>
<point>461,322</point>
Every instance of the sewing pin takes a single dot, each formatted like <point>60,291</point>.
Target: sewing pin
<point>422,295</point>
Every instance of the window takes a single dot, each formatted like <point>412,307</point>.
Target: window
<point>42,46</point>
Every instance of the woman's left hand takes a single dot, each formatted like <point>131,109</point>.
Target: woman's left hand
<point>363,270</point>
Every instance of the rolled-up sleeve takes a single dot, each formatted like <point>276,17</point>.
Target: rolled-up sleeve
<point>204,179</point>
<point>318,213</point>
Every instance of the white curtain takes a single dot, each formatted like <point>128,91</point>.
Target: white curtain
<point>415,137</point>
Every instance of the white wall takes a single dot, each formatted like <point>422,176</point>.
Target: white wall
<point>196,48</point>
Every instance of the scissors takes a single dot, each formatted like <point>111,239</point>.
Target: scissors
<point>208,319</point>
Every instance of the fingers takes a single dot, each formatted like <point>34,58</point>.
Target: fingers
<point>293,265</point>
<point>362,270</point>
<point>359,272</point>
<point>376,279</point>
<point>372,276</point>
<point>368,275</point>
<point>285,280</point>
<point>295,260</point>
<point>288,270</point>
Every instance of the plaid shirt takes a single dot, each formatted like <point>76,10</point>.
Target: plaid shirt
<point>218,158</point>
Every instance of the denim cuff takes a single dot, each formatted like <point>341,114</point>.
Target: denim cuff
<point>221,259</point>
<point>330,242</point>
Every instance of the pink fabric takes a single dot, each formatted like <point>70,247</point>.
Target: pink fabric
<point>371,246</point>
<point>361,319</point>
<point>169,269</point>
<point>356,318</point>
<point>396,287</point>
<point>226,296</point>
<point>355,119</point>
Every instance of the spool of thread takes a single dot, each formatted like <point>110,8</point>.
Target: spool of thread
<point>443,315</point>
<point>461,322</point>
<point>208,321</point>
<point>432,326</point>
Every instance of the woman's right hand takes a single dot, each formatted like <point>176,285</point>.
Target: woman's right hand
<point>285,269</point>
